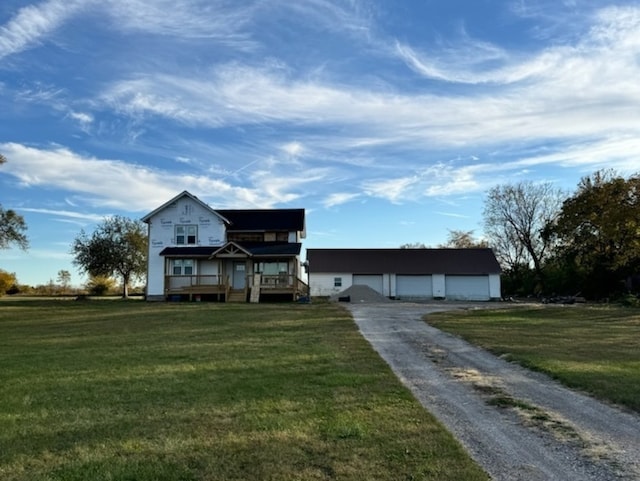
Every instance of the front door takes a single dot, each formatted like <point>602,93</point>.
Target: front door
<point>239,275</point>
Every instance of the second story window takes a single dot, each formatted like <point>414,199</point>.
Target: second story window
<point>186,234</point>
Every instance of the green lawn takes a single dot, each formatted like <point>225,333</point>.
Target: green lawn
<point>594,349</point>
<point>115,390</point>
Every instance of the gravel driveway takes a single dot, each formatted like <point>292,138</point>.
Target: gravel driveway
<point>517,424</point>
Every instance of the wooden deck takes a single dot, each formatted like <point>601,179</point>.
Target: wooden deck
<point>215,288</point>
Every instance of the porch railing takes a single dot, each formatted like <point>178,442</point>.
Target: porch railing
<point>185,282</point>
<point>284,282</point>
<point>218,284</point>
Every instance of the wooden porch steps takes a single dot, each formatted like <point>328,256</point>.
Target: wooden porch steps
<point>236,295</point>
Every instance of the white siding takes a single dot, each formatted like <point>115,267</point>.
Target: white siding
<point>413,286</point>
<point>495,291</point>
<point>469,288</point>
<point>323,285</point>
<point>374,281</point>
<point>155,275</point>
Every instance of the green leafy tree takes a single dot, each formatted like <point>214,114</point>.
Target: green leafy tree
<point>100,285</point>
<point>598,233</point>
<point>118,247</point>
<point>7,281</point>
<point>515,216</point>
<point>12,226</point>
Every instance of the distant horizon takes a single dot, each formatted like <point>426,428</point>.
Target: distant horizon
<point>386,121</point>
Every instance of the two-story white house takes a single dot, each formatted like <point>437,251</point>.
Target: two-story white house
<point>200,253</point>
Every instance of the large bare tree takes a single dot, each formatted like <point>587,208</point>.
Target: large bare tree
<point>463,239</point>
<point>515,216</point>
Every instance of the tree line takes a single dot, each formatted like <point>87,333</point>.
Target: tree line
<point>549,242</point>
<point>117,248</point>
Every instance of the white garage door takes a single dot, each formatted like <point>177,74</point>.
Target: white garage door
<point>469,288</point>
<point>373,281</point>
<point>413,286</point>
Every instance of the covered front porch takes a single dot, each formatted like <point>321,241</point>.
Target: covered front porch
<point>255,288</point>
<point>235,273</point>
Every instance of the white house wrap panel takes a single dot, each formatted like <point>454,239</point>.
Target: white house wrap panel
<point>208,227</point>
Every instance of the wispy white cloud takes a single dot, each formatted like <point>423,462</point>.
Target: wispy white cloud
<point>563,92</point>
<point>353,16</point>
<point>338,198</point>
<point>31,25</point>
<point>81,117</point>
<point>615,152</point>
<point>114,184</point>
<point>66,214</point>
<point>452,214</point>
<point>41,94</point>
<point>559,96</point>
<point>216,20</point>
<point>394,190</point>
<point>442,68</point>
<point>294,149</point>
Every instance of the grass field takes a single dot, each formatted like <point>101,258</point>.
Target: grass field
<point>192,391</point>
<point>594,349</point>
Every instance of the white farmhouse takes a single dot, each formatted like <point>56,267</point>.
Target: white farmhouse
<point>200,253</point>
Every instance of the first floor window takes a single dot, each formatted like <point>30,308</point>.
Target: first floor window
<point>337,282</point>
<point>182,267</point>
<point>272,268</point>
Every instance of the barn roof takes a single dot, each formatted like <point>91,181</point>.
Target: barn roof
<point>403,261</point>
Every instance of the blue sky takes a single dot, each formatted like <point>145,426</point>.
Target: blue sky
<point>386,120</point>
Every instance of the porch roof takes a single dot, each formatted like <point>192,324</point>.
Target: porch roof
<point>193,251</point>
<point>254,249</point>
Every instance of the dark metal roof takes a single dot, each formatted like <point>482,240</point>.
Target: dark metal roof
<point>403,261</point>
<point>260,249</point>
<point>261,220</point>
<point>188,251</point>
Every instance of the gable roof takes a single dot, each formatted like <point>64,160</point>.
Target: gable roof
<point>184,193</point>
<point>261,220</point>
<point>189,251</point>
<point>403,261</point>
<point>262,249</point>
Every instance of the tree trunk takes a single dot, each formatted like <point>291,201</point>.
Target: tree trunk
<point>125,286</point>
